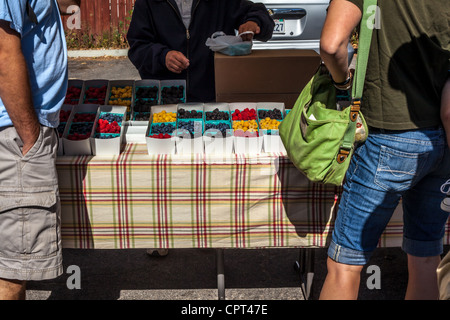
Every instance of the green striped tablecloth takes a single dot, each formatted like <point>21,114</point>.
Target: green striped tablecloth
<point>136,200</point>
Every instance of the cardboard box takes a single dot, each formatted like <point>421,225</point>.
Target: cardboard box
<point>135,134</point>
<point>217,143</point>
<point>273,143</point>
<point>91,84</point>
<point>264,75</point>
<point>286,98</point>
<point>246,145</point>
<point>186,143</point>
<point>272,139</point>
<point>127,102</point>
<point>165,84</point>
<point>64,117</point>
<point>74,83</point>
<point>161,146</point>
<point>140,117</point>
<point>79,147</point>
<point>110,146</point>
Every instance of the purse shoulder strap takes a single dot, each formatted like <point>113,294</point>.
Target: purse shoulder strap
<point>365,39</point>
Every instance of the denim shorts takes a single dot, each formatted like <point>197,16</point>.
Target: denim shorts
<point>30,240</point>
<point>393,166</point>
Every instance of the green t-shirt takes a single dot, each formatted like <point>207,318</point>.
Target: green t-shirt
<point>408,64</point>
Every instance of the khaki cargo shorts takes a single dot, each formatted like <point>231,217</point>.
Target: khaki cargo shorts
<point>30,239</point>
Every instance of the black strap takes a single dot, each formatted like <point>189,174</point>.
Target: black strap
<point>31,14</point>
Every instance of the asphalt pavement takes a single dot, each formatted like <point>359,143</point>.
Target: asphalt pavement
<point>191,274</point>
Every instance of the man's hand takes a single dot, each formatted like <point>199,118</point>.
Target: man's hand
<point>15,89</point>
<point>176,61</point>
<point>249,26</point>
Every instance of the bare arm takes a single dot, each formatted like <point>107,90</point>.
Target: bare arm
<point>64,4</point>
<point>342,18</point>
<point>15,90</point>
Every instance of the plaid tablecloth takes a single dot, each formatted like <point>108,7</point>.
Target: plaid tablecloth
<point>136,200</point>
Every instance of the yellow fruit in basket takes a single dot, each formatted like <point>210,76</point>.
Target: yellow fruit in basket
<point>119,102</point>
<point>245,125</point>
<point>121,92</point>
<point>164,116</point>
<point>268,124</point>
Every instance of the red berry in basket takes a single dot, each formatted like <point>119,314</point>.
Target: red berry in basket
<point>78,136</point>
<point>72,95</point>
<point>161,136</point>
<point>105,127</point>
<point>64,115</point>
<point>96,95</point>
<point>246,114</point>
<point>84,117</point>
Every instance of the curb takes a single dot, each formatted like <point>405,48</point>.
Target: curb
<point>97,53</point>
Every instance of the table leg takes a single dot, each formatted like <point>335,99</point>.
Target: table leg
<point>220,274</point>
<point>305,268</point>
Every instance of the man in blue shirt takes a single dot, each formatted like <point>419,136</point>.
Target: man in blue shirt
<point>33,83</point>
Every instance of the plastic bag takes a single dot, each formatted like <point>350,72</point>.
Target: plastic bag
<point>229,45</point>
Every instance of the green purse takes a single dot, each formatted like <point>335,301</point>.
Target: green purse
<point>320,139</point>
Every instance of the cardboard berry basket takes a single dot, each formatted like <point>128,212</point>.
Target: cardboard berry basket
<point>64,116</point>
<point>186,143</point>
<point>79,146</point>
<point>71,98</point>
<point>152,101</point>
<point>156,145</point>
<point>122,101</point>
<point>271,138</point>
<point>105,143</point>
<point>165,84</point>
<point>135,133</point>
<point>217,143</point>
<point>101,85</point>
<point>246,144</point>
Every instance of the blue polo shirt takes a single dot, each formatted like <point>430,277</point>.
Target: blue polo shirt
<point>45,51</point>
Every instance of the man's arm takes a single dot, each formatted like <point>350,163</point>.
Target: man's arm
<point>15,90</point>
<point>342,18</point>
<point>253,16</point>
<point>146,53</point>
<point>64,4</point>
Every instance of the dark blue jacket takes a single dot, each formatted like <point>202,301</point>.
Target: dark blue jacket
<point>156,28</point>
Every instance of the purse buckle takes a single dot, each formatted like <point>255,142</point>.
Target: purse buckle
<point>342,155</point>
<point>354,109</point>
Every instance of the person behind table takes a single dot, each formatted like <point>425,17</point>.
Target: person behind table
<point>406,155</point>
<point>167,38</point>
<point>33,83</point>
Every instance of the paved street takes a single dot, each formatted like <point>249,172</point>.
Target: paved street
<point>190,274</point>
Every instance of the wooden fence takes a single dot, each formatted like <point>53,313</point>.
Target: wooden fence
<point>100,19</point>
